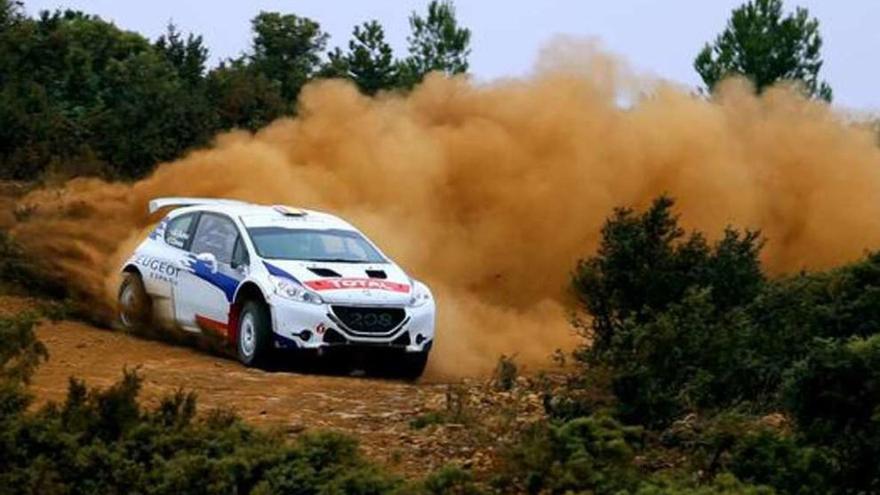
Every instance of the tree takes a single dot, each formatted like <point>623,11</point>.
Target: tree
<point>243,97</point>
<point>80,96</point>
<point>762,45</point>
<point>646,263</point>
<point>286,49</point>
<point>369,61</point>
<point>437,43</point>
<point>10,12</point>
<point>188,56</point>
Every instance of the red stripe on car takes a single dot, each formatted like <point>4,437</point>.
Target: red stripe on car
<point>356,283</point>
<point>215,326</point>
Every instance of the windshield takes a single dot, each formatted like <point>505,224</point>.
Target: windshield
<point>332,245</point>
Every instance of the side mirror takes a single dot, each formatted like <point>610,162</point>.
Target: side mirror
<point>209,259</point>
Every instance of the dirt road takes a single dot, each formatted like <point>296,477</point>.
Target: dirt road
<point>378,412</point>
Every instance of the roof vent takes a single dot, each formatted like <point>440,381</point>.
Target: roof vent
<point>289,211</point>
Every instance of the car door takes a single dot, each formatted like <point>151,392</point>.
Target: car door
<point>159,260</point>
<point>208,281</point>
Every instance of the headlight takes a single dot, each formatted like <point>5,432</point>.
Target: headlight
<point>289,289</point>
<point>420,296</point>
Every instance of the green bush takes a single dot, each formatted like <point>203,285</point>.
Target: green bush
<point>664,311</point>
<point>722,485</point>
<point>591,454</point>
<point>645,263</point>
<point>20,354</point>
<point>102,441</point>
<point>20,351</point>
<point>681,326</point>
<point>782,461</point>
<point>449,480</point>
<point>688,326</point>
<point>834,396</point>
<point>689,358</point>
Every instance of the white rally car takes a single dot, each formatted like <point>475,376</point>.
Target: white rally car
<point>265,278</point>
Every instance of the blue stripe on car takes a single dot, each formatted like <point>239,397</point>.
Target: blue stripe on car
<point>278,272</point>
<point>220,280</point>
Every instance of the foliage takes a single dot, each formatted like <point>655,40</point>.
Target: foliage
<point>780,460</point>
<point>437,43</point>
<point>506,371</point>
<point>244,97</point>
<point>286,49</point>
<point>449,480</point>
<point>722,485</point>
<point>766,47</point>
<point>689,358</point>
<point>834,395</point>
<point>645,263</point>
<point>678,342</point>
<point>458,410</point>
<point>369,62</point>
<point>20,351</point>
<point>80,96</point>
<point>102,441</point>
<point>10,12</point>
<point>590,454</point>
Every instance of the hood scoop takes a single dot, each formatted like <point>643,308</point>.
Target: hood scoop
<point>377,274</point>
<point>324,272</point>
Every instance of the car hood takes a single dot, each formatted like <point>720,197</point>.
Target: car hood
<point>354,283</point>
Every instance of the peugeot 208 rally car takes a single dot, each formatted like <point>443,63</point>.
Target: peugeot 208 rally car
<point>265,278</point>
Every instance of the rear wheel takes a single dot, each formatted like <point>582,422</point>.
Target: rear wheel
<point>135,305</point>
<point>412,366</point>
<point>254,334</point>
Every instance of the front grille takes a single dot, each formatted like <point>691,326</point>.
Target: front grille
<point>369,320</point>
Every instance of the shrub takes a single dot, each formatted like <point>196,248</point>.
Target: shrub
<point>20,351</point>
<point>102,441</point>
<point>781,461</point>
<point>688,358</point>
<point>645,263</point>
<point>506,371</point>
<point>20,354</point>
<point>590,454</point>
<point>834,395</point>
<point>450,480</point>
<point>722,485</point>
<point>686,326</point>
<point>681,326</point>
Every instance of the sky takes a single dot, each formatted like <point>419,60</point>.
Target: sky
<point>656,37</point>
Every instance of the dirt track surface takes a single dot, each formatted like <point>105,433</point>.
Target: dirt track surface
<point>376,411</point>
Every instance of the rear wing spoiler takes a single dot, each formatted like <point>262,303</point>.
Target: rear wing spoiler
<point>160,203</point>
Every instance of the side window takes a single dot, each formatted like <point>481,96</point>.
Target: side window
<point>239,253</point>
<point>178,231</point>
<point>216,235</point>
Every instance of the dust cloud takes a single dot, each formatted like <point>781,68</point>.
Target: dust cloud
<point>490,192</point>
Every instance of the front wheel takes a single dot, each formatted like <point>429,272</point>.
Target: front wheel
<point>413,365</point>
<point>254,334</point>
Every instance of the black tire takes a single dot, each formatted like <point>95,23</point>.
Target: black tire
<point>254,334</point>
<point>135,307</point>
<point>412,366</point>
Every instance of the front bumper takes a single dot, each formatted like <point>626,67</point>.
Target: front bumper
<point>300,325</point>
